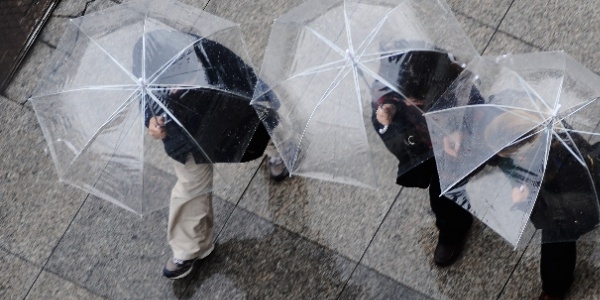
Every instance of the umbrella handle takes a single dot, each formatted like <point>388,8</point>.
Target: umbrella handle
<point>383,130</point>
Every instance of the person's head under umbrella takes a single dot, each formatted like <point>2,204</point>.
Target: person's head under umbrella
<point>198,95</point>
<point>566,201</point>
<point>421,77</point>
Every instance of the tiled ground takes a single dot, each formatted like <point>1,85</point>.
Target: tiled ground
<point>298,239</point>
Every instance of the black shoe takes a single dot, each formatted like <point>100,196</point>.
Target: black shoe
<point>178,268</point>
<point>544,296</point>
<point>447,254</point>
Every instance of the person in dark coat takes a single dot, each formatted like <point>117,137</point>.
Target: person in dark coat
<point>567,204</point>
<point>206,119</point>
<point>422,77</point>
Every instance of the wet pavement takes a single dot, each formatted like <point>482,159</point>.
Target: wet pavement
<point>20,23</point>
<point>298,239</point>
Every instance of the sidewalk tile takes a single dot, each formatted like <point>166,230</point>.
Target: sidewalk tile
<point>337,216</point>
<point>479,33</point>
<point>35,209</point>
<point>558,25</point>
<point>371,285</point>
<point>255,259</point>
<point>403,250</point>
<point>49,286</point>
<point>525,283</point>
<point>486,11</point>
<point>119,255</point>
<point>17,276</point>
<point>255,19</point>
<point>503,44</point>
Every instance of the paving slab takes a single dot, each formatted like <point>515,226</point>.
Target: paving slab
<point>503,43</point>
<point>231,180</point>
<point>118,255</point>
<point>403,250</point>
<point>17,275</point>
<point>372,285</point>
<point>20,24</point>
<point>338,216</point>
<point>27,76</point>
<point>525,282</point>
<point>35,209</point>
<point>255,259</point>
<point>255,19</point>
<point>489,12</point>
<point>558,25</point>
<point>479,33</point>
<point>50,286</point>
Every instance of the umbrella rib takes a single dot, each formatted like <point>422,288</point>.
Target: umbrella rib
<point>374,32</point>
<point>558,96</point>
<point>577,156</point>
<point>168,112</point>
<point>156,87</point>
<point>171,61</point>
<point>322,68</point>
<point>327,42</point>
<point>328,91</point>
<point>307,72</point>
<point>88,88</point>
<point>348,31</point>
<point>581,132</point>
<point>190,136</point>
<point>387,54</point>
<point>505,107</point>
<point>590,101</point>
<point>97,133</point>
<point>451,185</point>
<point>382,80</point>
<point>529,89</point>
<point>106,52</point>
<point>358,99</point>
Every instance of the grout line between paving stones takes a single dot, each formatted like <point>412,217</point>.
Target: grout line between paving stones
<point>514,269</point>
<point>299,236</point>
<point>56,246</point>
<point>497,27</point>
<point>369,244</point>
<point>17,255</point>
<point>241,197</point>
<point>232,211</point>
<point>75,284</point>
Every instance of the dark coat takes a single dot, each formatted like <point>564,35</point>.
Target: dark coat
<point>424,76</point>
<point>566,206</point>
<point>216,123</point>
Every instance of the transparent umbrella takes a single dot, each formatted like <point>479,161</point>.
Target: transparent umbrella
<point>525,156</point>
<point>323,61</point>
<point>115,69</point>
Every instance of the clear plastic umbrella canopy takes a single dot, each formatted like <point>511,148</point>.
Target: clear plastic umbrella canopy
<point>115,69</point>
<point>523,156</point>
<point>321,65</point>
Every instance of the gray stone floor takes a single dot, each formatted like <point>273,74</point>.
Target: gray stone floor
<point>298,239</point>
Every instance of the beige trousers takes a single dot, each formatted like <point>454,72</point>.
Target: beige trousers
<point>190,228</point>
<point>271,150</point>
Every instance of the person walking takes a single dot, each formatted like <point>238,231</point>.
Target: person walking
<point>199,127</point>
<point>566,205</point>
<point>422,76</point>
